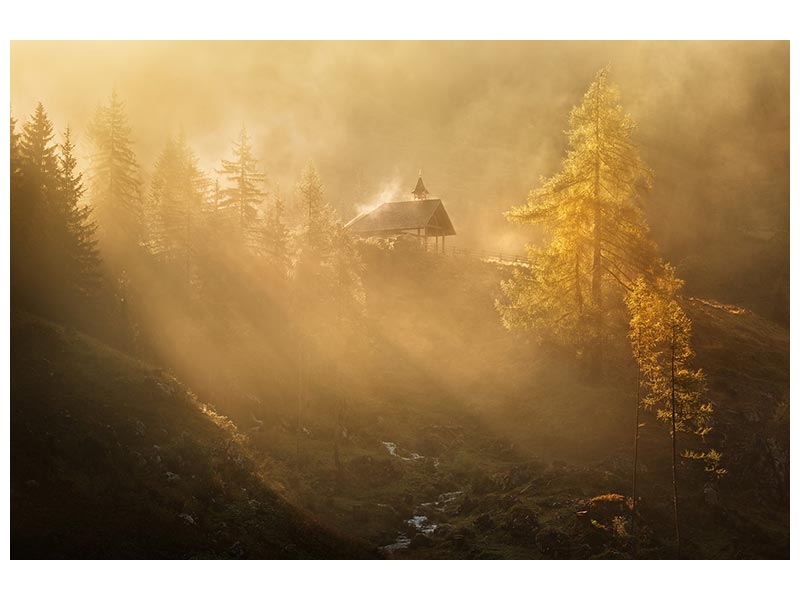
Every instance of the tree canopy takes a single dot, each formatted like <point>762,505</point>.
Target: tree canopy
<point>598,237</point>
<point>245,191</point>
<point>114,177</point>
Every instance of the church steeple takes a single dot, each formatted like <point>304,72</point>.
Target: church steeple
<point>420,193</point>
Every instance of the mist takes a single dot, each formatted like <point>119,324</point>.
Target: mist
<point>395,397</point>
<point>483,120</point>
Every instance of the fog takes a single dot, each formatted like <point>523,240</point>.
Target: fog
<point>483,120</point>
<point>338,358</point>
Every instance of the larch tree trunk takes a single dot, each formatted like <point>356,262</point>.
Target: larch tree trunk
<point>597,296</point>
<point>300,390</point>
<point>636,455</point>
<point>674,451</point>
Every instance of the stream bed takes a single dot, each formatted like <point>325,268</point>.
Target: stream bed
<point>422,524</point>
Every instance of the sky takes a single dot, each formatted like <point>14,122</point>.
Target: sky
<point>483,121</point>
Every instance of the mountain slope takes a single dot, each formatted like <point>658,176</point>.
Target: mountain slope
<point>113,459</point>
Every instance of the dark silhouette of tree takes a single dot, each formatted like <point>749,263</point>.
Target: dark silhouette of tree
<point>15,160</point>
<point>34,270</point>
<point>37,150</point>
<point>55,262</point>
<point>78,228</point>
<point>18,214</point>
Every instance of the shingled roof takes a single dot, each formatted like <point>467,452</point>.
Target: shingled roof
<point>396,217</point>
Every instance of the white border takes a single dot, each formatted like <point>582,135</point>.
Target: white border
<point>407,19</point>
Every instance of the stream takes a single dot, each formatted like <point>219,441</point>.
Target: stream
<point>421,522</point>
<point>391,448</point>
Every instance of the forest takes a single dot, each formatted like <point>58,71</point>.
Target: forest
<point>209,361</point>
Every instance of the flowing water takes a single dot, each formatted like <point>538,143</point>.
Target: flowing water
<point>422,524</point>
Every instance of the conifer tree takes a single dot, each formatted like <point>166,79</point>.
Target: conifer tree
<point>14,153</point>
<point>37,151</point>
<point>319,218</point>
<point>328,292</point>
<point>15,185</point>
<point>216,216</point>
<point>15,176</point>
<point>80,245</point>
<point>309,278</point>
<point>643,336</point>
<point>661,340</point>
<point>598,235</point>
<point>33,223</point>
<point>54,259</point>
<point>163,193</point>
<point>114,179</point>
<point>275,236</point>
<point>245,192</point>
<point>179,191</point>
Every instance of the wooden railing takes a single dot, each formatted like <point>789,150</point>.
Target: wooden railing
<point>498,257</point>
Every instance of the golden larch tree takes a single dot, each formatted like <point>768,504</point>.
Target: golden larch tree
<point>597,232</point>
<point>660,334</point>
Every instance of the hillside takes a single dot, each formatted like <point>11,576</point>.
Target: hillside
<point>464,441</point>
<point>114,459</point>
<point>460,440</point>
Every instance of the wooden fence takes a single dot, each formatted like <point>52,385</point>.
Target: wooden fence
<point>497,257</point>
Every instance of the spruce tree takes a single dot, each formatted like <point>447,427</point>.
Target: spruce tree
<point>15,185</point>
<point>34,227</point>
<point>598,235</point>
<point>245,192</point>
<point>15,162</point>
<point>37,151</point>
<point>80,245</point>
<point>114,178</point>
<point>54,258</point>
<point>318,216</point>
<point>178,195</point>
<point>275,237</point>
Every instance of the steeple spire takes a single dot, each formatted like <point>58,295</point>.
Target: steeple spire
<point>420,193</point>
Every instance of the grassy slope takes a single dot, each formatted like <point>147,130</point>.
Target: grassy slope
<point>514,427</point>
<point>112,459</point>
<point>517,429</point>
